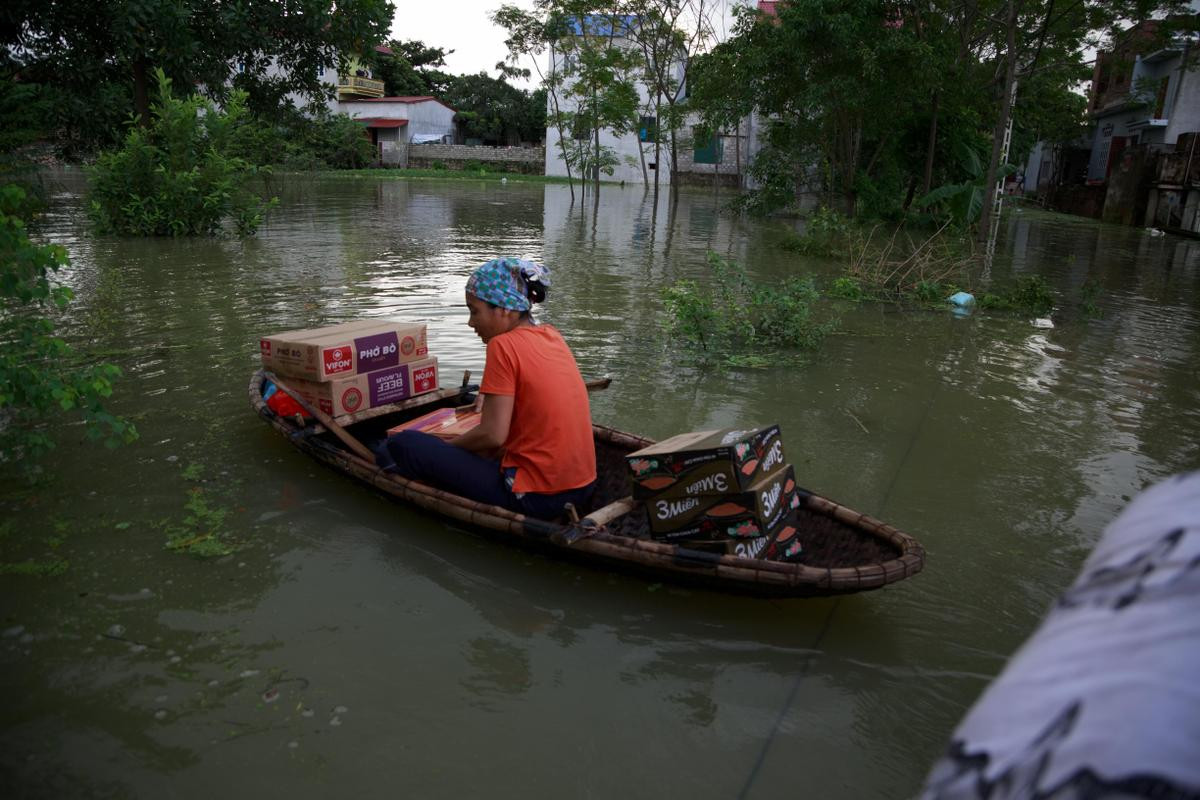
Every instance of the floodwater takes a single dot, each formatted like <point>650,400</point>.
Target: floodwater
<point>354,647</point>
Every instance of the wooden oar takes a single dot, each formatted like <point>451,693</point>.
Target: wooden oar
<point>355,445</point>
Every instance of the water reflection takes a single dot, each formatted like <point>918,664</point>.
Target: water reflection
<point>368,633</point>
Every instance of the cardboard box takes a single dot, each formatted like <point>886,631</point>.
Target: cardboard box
<point>338,351</point>
<point>785,544</point>
<point>706,463</point>
<point>356,393</point>
<point>445,423</point>
<point>758,511</point>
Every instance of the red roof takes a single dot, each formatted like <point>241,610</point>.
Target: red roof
<point>768,7</point>
<point>379,48</point>
<point>382,122</point>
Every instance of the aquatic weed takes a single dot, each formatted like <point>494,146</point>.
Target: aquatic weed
<point>734,315</point>
<point>201,533</point>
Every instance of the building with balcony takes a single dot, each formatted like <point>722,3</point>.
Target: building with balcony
<point>1145,91</point>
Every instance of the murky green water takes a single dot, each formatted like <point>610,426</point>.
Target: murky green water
<point>355,647</point>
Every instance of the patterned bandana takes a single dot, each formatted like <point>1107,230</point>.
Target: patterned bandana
<point>502,282</point>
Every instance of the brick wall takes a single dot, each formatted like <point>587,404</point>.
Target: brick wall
<point>529,160</point>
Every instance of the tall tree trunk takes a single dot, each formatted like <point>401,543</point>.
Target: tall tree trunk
<point>141,91</point>
<point>931,146</point>
<point>1006,102</point>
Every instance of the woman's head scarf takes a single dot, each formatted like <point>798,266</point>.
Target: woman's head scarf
<point>504,282</point>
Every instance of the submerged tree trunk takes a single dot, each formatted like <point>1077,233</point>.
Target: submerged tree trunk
<point>931,147</point>
<point>141,92</point>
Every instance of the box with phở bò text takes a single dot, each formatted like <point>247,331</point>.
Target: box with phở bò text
<point>705,462</point>
<point>349,395</point>
<point>757,511</point>
<point>338,351</point>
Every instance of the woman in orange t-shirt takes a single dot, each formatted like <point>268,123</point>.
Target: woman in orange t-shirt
<point>534,403</point>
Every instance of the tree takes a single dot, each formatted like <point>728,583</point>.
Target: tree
<point>180,175</point>
<point>495,111</point>
<point>589,78</point>
<point>823,73</point>
<point>671,34</point>
<point>410,69</point>
<point>265,49</point>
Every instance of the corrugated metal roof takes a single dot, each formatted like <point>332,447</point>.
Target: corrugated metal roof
<point>382,122</point>
<point>405,99</point>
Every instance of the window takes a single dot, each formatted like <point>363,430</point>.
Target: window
<point>707,147</point>
<point>648,129</point>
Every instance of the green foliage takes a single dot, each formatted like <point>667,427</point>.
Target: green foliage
<point>438,165</point>
<point>1090,294</point>
<point>202,531</point>
<point>1030,295</point>
<point>848,289</point>
<point>495,112</point>
<point>962,203</point>
<point>179,176</point>
<point>38,374</point>
<point>735,314</point>
<point>99,54</point>
<point>411,69</point>
<point>825,234</point>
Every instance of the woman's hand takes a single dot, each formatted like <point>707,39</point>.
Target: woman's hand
<point>492,431</point>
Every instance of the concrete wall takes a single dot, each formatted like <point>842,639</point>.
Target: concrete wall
<point>528,160</point>
<point>1185,111</point>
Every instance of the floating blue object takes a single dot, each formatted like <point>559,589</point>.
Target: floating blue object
<point>962,299</point>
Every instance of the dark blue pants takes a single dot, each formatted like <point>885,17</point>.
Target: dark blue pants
<point>431,460</point>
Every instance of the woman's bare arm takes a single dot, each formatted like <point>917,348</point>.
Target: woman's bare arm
<point>492,431</point>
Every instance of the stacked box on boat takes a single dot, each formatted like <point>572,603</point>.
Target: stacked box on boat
<point>729,490</point>
<point>706,462</point>
<point>338,351</point>
<point>757,511</point>
<point>347,368</point>
<point>359,392</point>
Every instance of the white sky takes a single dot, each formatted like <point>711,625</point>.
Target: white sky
<point>459,25</point>
<point>464,26</point>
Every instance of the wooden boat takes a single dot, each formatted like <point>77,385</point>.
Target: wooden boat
<point>845,551</point>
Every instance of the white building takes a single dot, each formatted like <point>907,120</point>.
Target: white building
<point>563,61</point>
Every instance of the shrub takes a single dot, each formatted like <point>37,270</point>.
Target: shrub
<point>737,314</point>
<point>1030,295</point>
<point>180,176</point>
<point>38,374</point>
<point>827,233</point>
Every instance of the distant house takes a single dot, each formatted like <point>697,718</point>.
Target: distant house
<point>393,122</point>
<point>1143,93</point>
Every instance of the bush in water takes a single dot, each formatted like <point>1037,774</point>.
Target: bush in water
<point>737,314</point>
<point>39,377</point>
<point>181,175</point>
